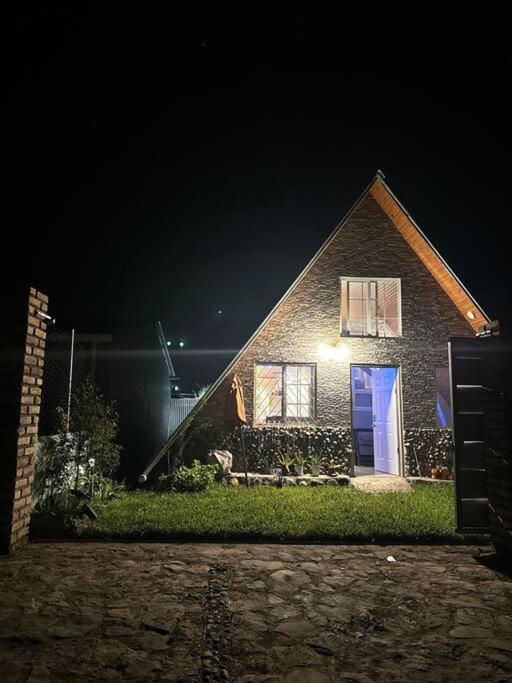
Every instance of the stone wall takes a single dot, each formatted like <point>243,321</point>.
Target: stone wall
<point>426,449</point>
<point>264,445</point>
<point>22,348</point>
<point>368,245</point>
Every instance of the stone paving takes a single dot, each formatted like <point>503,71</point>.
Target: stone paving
<point>377,483</point>
<point>250,613</point>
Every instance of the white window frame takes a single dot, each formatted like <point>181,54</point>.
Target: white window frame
<point>376,280</point>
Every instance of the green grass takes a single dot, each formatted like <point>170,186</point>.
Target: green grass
<point>327,514</point>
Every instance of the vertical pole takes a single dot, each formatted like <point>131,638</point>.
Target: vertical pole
<point>70,376</point>
<point>243,455</point>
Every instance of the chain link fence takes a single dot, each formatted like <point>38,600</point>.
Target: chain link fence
<point>66,367</point>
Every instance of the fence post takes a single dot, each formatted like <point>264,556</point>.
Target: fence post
<point>70,376</point>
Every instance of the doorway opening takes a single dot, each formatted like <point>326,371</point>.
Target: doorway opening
<point>375,420</point>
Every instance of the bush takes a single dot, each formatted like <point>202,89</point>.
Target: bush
<point>189,479</point>
<point>83,452</point>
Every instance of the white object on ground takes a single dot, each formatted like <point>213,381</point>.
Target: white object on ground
<point>390,558</point>
<point>224,458</point>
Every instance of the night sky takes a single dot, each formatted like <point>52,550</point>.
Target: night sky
<point>166,166</point>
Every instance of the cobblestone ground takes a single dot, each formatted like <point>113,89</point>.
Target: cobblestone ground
<point>143,612</point>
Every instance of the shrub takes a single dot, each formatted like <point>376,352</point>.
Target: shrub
<point>189,479</point>
<point>83,451</point>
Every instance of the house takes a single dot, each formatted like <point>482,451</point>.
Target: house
<point>355,354</point>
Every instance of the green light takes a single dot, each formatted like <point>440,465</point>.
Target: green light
<point>181,344</point>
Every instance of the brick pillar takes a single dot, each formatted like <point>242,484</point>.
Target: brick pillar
<point>22,346</point>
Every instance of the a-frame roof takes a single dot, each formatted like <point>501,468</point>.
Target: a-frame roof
<point>418,242</point>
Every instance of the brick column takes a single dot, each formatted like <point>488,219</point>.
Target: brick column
<point>22,347</point>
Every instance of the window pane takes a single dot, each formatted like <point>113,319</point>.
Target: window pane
<point>268,393</point>
<point>291,410</point>
<point>304,394</point>
<point>306,374</point>
<point>299,392</point>
<point>291,373</point>
<point>344,306</point>
<point>358,307</point>
<point>388,314</point>
<point>291,393</point>
<point>305,411</point>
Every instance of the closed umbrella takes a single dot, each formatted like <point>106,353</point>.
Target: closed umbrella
<point>235,412</point>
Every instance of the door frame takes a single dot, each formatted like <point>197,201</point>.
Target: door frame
<point>399,406</point>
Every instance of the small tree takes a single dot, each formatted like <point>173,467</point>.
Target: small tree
<point>91,433</point>
<point>84,447</point>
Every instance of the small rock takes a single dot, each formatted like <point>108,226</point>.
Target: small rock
<point>320,648</point>
<point>498,644</point>
<point>470,632</point>
<point>39,674</point>
<point>161,630</point>
<point>87,510</point>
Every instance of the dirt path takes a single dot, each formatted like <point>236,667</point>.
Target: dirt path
<point>85,612</point>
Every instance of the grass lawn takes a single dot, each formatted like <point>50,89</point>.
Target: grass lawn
<point>327,514</point>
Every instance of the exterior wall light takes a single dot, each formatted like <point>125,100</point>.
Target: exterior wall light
<point>471,315</point>
<point>334,353</point>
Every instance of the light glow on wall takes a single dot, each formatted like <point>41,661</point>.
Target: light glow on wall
<point>334,352</point>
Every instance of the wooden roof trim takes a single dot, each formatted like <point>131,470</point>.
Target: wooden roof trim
<point>427,253</point>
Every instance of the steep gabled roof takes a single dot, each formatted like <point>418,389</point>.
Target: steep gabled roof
<point>418,242</point>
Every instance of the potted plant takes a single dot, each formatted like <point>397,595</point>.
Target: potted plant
<point>286,461</point>
<point>315,465</point>
<point>298,465</point>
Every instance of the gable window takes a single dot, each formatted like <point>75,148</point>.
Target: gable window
<point>370,307</point>
<point>284,393</point>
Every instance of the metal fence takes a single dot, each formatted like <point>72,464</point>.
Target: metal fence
<point>180,408</point>
<point>65,368</point>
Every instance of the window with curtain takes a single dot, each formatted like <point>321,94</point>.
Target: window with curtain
<point>370,307</point>
<point>284,393</point>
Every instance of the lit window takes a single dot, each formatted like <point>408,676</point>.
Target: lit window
<point>370,308</point>
<point>284,393</point>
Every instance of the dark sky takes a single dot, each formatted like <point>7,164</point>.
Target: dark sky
<point>167,165</point>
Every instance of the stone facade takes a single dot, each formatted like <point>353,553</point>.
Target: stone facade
<point>426,449</point>
<point>368,245</point>
<point>22,348</point>
<point>264,445</point>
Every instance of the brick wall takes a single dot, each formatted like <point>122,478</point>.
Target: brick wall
<point>367,246</point>
<point>22,348</point>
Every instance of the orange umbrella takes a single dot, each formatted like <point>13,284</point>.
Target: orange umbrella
<point>235,408</point>
<point>235,412</point>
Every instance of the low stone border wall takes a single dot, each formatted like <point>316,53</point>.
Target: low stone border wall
<point>428,480</point>
<point>426,449</point>
<point>272,480</point>
<point>264,445</point>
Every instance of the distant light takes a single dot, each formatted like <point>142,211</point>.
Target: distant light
<point>181,344</point>
<point>168,343</point>
<point>176,387</point>
<point>219,312</point>
<point>471,315</point>
<point>332,352</point>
